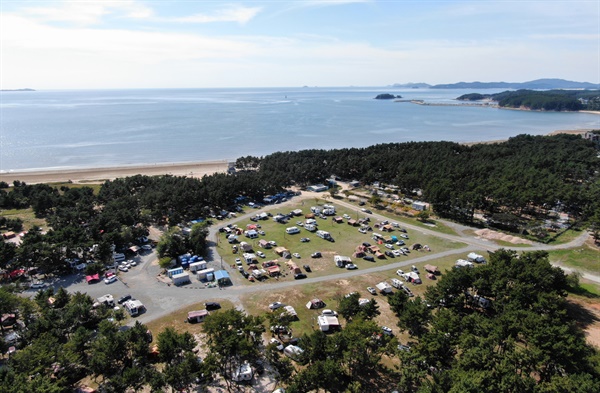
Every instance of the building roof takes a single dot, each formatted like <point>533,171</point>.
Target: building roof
<point>221,274</point>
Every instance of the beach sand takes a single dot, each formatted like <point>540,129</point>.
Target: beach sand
<point>99,175</point>
<point>191,169</point>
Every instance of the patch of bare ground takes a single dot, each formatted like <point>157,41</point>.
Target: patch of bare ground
<point>495,235</point>
<point>587,314</point>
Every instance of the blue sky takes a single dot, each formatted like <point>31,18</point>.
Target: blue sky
<point>83,44</point>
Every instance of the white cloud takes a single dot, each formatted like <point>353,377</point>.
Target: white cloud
<point>87,13</point>
<point>239,14</point>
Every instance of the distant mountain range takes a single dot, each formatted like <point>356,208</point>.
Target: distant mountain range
<point>538,84</point>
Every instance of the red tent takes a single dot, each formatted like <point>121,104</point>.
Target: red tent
<point>92,279</point>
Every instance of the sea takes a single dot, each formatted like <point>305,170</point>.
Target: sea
<point>72,129</point>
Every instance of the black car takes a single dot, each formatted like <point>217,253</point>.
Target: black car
<point>367,244</point>
<point>369,258</point>
<point>389,254</point>
<point>316,255</point>
<point>361,203</point>
<point>299,276</point>
<point>212,306</point>
<point>123,299</point>
<point>307,268</point>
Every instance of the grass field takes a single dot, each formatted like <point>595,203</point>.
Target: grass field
<point>177,319</point>
<point>27,216</point>
<point>332,291</point>
<point>581,258</point>
<point>347,238</point>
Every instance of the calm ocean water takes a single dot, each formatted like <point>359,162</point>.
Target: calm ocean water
<point>103,128</point>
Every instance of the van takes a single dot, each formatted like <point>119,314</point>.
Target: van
<point>292,230</point>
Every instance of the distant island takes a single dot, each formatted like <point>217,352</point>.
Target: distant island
<point>387,96</point>
<point>17,90</point>
<point>538,84</point>
<point>549,100</point>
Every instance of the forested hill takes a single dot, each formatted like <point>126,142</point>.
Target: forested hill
<point>524,171</point>
<point>550,100</point>
<point>547,83</point>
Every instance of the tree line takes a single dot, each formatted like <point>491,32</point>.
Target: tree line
<point>523,338</point>
<point>547,100</point>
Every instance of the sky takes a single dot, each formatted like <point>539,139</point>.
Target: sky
<point>95,44</point>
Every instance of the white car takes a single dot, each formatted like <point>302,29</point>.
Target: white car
<point>296,255</point>
<point>372,290</point>
<point>397,253</point>
<point>273,243</point>
<point>351,266</point>
<point>110,280</point>
<point>329,313</point>
<point>38,285</point>
<point>123,268</point>
<point>132,263</point>
<point>346,216</point>
<point>402,235</point>
<point>261,254</point>
<point>386,330</point>
<point>389,246</point>
<point>399,272</point>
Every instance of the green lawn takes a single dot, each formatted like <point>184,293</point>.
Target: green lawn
<point>347,238</point>
<point>26,215</point>
<point>331,291</point>
<point>581,258</point>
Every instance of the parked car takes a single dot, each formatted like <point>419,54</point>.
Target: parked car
<point>351,266</point>
<point>389,254</point>
<point>110,280</point>
<point>330,313</point>
<point>212,306</point>
<point>404,236</point>
<point>386,330</point>
<point>299,276</point>
<point>261,254</point>
<point>272,243</point>
<point>400,243</point>
<point>316,255</point>
<point>362,230</point>
<point>296,255</point>
<point>123,299</point>
<point>369,258</point>
<point>305,240</point>
<point>372,290</point>
<point>123,268</point>
<point>366,244</point>
<point>389,246</point>
<point>346,216</point>
<point>38,285</point>
<point>261,232</point>
<point>399,272</point>
<point>408,291</point>
<point>397,253</point>
<point>307,268</point>
<point>368,211</point>
<point>276,305</point>
<point>402,347</point>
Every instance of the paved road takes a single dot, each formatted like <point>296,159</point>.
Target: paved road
<point>162,299</point>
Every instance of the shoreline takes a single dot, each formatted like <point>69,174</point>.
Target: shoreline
<point>99,175</point>
<point>196,169</point>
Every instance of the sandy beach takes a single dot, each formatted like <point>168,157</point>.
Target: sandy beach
<point>191,169</point>
<point>98,175</point>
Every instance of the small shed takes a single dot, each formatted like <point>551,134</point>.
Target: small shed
<point>264,244</point>
<point>293,267</point>
<point>197,266</point>
<point>222,277</point>
<point>203,274</point>
<point>431,269</point>
<point>180,278</point>
<point>352,222</point>
<point>291,311</point>
<point>338,220</point>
